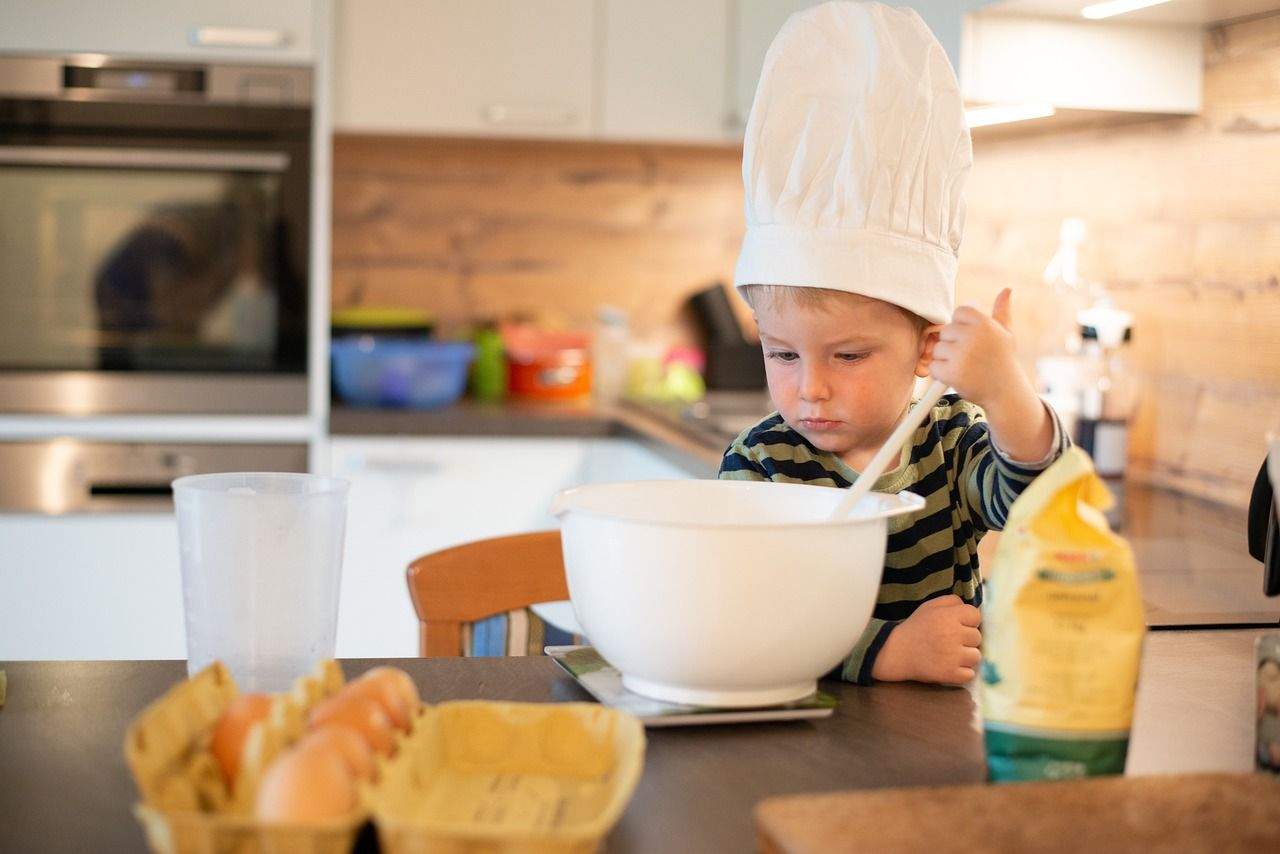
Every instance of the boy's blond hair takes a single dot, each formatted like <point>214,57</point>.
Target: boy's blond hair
<point>824,299</point>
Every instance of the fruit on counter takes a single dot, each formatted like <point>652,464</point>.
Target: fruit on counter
<point>355,752</point>
<point>363,714</point>
<point>232,728</point>
<point>307,783</point>
<point>402,683</point>
<point>387,695</point>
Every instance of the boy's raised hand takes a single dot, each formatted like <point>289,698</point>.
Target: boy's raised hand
<point>975,355</point>
<point>937,643</point>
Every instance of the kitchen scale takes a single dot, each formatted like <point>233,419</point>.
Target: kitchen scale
<point>602,681</point>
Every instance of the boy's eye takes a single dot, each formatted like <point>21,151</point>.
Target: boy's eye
<point>851,357</point>
<point>783,355</point>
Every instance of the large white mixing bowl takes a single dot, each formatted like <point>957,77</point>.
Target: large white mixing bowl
<point>723,593</point>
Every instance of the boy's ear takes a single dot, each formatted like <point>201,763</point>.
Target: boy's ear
<point>928,338</point>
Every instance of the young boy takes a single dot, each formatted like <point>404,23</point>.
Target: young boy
<point>854,162</point>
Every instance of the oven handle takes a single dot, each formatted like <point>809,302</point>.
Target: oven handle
<point>144,158</point>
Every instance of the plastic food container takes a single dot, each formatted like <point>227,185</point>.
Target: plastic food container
<point>508,777</point>
<point>369,371</point>
<point>388,322</point>
<point>545,365</point>
<point>261,557</point>
<point>790,590</point>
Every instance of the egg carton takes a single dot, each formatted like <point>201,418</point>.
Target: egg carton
<point>474,776</point>
<point>470,776</point>
<point>186,807</point>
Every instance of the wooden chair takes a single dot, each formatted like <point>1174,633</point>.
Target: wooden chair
<point>470,582</point>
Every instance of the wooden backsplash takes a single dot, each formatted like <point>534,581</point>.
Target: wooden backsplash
<point>470,228</point>
<point>1183,217</point>
<point>1184,231</point>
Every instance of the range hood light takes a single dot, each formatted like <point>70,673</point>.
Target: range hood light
<point>1117,7</point>
<point>998,114</point>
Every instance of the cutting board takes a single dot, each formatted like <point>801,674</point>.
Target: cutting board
<point>1184,813</point>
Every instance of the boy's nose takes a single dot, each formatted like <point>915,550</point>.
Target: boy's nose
<point>813,384</point>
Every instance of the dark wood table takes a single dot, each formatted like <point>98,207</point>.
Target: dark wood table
<point>64,785</point>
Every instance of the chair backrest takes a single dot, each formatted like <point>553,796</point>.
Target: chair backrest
<point>470,582</point>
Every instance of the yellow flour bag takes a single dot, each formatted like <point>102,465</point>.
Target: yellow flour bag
<point>1062,627</point>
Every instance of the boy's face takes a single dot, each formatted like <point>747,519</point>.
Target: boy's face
<point>842,373</point>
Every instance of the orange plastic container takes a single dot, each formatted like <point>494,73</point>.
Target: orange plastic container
<point>544,365</point>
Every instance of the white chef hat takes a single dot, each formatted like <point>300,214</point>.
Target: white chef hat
<point>855,160</point>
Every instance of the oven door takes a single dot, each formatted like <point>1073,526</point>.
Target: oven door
<point>153,256</point>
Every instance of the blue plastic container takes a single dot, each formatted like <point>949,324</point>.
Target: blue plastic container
<point>369,371</point>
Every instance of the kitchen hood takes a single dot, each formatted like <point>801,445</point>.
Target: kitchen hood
<point>1045,61</point>
<point>1200,12</point>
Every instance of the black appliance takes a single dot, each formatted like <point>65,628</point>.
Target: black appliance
<point>1264,531</point>
<point>733,364</point>
<point>154,236</point>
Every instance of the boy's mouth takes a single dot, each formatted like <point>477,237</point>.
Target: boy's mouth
<point>819,424</point>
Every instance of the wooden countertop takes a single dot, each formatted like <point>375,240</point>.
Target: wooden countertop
<point>68,789</point>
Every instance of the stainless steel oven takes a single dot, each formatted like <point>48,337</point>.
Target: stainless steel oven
<point>154,229</point>
<point>62,475</point>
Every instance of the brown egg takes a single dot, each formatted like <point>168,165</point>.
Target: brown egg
<point>398,679</point>
<point>355,752</point>
<point>232,728</point>
<point>385,693</point>
<point>362,714</point>
<point>306,784</point>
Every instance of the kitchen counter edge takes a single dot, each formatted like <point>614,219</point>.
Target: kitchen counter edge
<point>695,454</point>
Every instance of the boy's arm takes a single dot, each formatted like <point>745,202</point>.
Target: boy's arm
<point>938,643</point>
<point>1000,452</point>
<point>858,666</point>
<point>991,479</point>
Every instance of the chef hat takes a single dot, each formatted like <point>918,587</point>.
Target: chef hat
<point>855,158</point>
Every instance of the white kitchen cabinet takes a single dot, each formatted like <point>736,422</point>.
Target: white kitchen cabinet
<point>281,31</point>
<point>665,70</point>
<point>410,496</point>
<point>90,587</point>
<point>109,586</point>
<point>470,67</point>
<point>1116,66</point>
<point>612,460</point>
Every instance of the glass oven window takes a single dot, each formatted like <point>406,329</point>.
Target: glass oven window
<point>150,269</point>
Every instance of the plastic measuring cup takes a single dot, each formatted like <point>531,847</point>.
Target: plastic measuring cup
<point>261,561</point>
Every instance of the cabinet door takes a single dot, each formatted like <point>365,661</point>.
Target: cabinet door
<point>665,70</point>
<point>610,460</point>
<point>485,67</point>
<point>413,496</point>
<point>90,587</point>
<point>227,30</point>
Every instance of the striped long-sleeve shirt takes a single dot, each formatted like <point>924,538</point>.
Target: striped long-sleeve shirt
<point>967,483</point>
